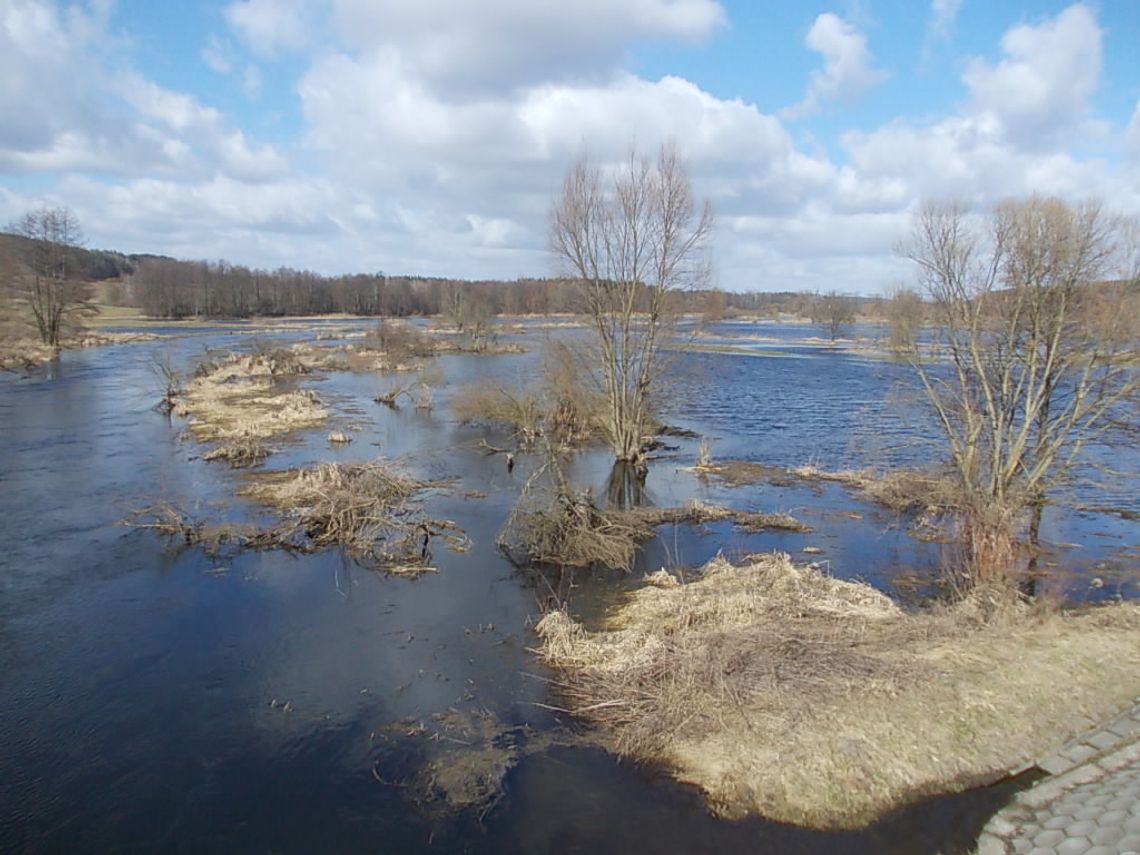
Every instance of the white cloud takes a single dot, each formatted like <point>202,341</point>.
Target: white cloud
<point>217,55</point>
<point>435,135</point>
<point>847,71</point>
<point>460,47</point>
<point>943,15</point>
<point>272,27</point>
<point>1038,93</point>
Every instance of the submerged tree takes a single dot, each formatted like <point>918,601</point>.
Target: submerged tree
<point>629,238</point>
<point>835,311</point>
<point>49,281</point>
<point>1040,355</point>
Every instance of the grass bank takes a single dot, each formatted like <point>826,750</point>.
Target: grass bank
<point>786,693</point>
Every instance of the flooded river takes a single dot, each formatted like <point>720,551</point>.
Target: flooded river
<point>159,699</point>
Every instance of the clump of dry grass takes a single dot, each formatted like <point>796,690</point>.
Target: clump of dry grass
<point>806,699</point>
<point>240,452</point>
<point>696,511</point>
<point>369,509</point>
<point>236,399</point>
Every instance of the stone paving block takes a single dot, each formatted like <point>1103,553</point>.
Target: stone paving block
<point>1079,753</point>
<point>1048,839</point>
<point>1132,825</point>
<point>1102,740</point>
<point>1081,828</point>
<point>1111,817</point>
<point>1107,834</point>
<point>1073,846</point>
<point>1037,850</point>
<point>1125,727</point>
<point>1131,843</point>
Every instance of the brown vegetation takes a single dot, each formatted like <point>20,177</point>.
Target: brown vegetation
<point>369,509</point>
<point>783,692</point>
<point>236,400</point>
<point>1041,360</point>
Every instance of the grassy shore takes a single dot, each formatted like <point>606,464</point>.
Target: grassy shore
<point>785,693</point>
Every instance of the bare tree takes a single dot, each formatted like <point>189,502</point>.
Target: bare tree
<point>1031,377</point>
<point>905,313</point>
<point>835,311</point>
<point>50,287</point>
<point>629,239</point>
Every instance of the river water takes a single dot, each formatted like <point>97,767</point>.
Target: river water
<point>153,698</point>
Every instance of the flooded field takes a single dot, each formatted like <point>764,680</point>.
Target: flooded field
<point>165,698</point>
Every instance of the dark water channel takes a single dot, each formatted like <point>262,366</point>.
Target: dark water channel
<point>161,699</point>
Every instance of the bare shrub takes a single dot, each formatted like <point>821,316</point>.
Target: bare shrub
<point>489,403</point>
<point>398,340</point>
<point>575,409</point>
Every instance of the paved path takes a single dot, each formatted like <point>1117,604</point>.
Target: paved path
<point>1090,804</point>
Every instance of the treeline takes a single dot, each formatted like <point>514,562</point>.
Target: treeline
<point>168,288</point>
<point>165,287</point>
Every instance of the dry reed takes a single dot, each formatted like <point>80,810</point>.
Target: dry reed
<point>783,692</point>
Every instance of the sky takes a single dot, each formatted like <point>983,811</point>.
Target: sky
<point>431,137</point>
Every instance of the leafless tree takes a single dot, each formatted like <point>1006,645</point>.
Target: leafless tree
<point>51,289</point>
<point>1036,365</point>
<point>835,311</point>
<point>629,238</point>
<point>905,313</point>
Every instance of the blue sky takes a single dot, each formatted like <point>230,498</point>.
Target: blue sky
<point>430,137</point>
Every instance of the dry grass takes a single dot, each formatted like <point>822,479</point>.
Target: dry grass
<point>809,700</point>
<point>236,400</point>
<point>239,453</point>
<point>369,509</point>
<point>702,512</point>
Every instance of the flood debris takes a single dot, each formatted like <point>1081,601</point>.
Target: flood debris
<point>805,699</point>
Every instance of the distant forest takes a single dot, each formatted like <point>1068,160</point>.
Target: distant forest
<point>164,287</point>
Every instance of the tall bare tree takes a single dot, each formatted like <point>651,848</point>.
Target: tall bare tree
<point>629,238</point>
<point>1036,366</point>
<point>51,288</point>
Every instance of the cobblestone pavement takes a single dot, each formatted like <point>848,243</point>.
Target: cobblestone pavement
<point>1090,803</point>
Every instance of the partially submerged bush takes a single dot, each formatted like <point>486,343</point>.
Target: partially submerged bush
<point>491,404</point>
<point>370,509</point>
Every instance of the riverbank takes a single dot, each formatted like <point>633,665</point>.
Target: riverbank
<point>787,694</point>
